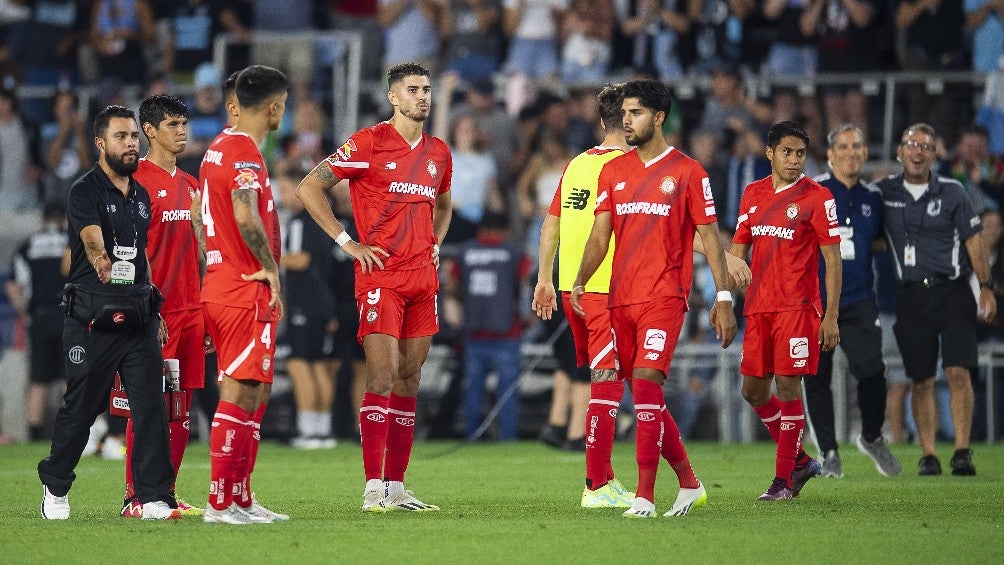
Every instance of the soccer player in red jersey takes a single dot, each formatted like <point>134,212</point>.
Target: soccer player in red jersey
<point>174,264</point>
<point>654,199</point>
<point>399,182</point>
<point>789,219</point>
<point>240,293</point>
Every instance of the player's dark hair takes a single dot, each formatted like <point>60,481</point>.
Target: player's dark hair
<point>158,107</point>
<point>397,73</point>
<point>611,102</point>
<point>229,85</point>
<point>105,116</point>
<point>784,129</point>
<point>257,84</point>
<point>652,94</point>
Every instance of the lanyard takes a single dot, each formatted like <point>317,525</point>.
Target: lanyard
<point>130,203</point>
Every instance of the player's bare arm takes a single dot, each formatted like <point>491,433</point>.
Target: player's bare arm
<point>200,233</point>
<point>245,202</point>
<point>545,300</point>
<point>311,191</point>
<point>829,333</point>
<point>94,246</point>
<point>442,214</point>
<point>987,304</point>
<point>722,316</point>
<point>592,256</point>
<point>739,271</point>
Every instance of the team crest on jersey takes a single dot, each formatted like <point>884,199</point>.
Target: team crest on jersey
<point>345,151</point>
<point>792,211</point>
<point>266,362</point>
<point>371,314</point>
<point>431,167</point>
<point>144,211</point>
<point>668,185</point>
<point>934,207</point>
<point>246,178</point>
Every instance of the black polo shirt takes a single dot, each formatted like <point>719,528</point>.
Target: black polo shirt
<point>94,201</point>
<point>937,225</point>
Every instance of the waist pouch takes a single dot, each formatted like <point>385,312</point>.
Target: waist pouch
<point>113,309</point>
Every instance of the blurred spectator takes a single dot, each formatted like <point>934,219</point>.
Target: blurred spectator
<point>37,280</point>
<point>193,26</point>
<point>717,31</point>
<point>655,27</point>
<point>985,19</point>
<point>584,131</point>
<point>535,187</point>
<point>236,17</point>
<point>304,146</point>
<point>361,16</point>
<point>474,38</point>
<point>566,417</point>
<point>532,27</point>
<point>991,110</point>
<point>728,111</point>
<point>705,149</point>
<point>747,163</point>
<point>981,173</point>
<point>845,29</point>
<point>412,31</point>
<point>489,277</point>
<point>793,54</point>
<point>65,146</point>
<point>206,118</point>
<point>19,173</point>
<point>120,31</point>
<point>288,53</point>
<point>586,50</point>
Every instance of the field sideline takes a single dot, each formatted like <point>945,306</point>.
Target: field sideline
<point>518,503</point>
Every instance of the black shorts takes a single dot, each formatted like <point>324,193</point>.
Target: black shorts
<point>306,336</point>
<point>45,337</point>
<point>945,312</point>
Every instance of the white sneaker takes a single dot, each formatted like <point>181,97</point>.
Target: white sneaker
<point>640,508</point>
<point>160,510</point>
<point>233,514</point>
<point>259,510</point>
<point>405,500</point>
<point>54,507</point>
<point>373,501</point>
<point>97,432</point>
<point>687,499</point>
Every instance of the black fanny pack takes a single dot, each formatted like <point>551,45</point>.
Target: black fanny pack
<point>118,308</point>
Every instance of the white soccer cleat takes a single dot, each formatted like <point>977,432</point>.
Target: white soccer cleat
<point>259,510</point>
<point>160,510</point>
<point>687,499</point>
<point>640,508</point>
<point>405,500</point>
<point>54,507</point>
<point>94,436</point>
<point>232,514</point>
<point>373,501</point>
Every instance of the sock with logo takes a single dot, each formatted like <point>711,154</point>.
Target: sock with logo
<point>227,445</point>
<point>601,421</point>
<point>373,433</point>
<point>180,432</point>
<point>770,415</point>
<point>400,435</point>
<point>246,466</point>
<point>674,452</point>
<point>790,437</point>
<point>648,400</point>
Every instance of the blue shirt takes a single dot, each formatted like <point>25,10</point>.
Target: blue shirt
<point>858,208</point>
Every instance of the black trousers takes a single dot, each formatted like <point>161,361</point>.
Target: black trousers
<point>92,358</point>
<point>861,341</point>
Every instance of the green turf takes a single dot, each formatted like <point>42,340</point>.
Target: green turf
<point>518,503</point>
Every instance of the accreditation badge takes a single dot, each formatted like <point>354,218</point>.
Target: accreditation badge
<point>124,253</point>
<point>846,243</point>
<point>123,272</point>
<point>909,256</point>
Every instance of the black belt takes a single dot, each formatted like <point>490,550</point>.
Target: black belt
<point>929,282</point>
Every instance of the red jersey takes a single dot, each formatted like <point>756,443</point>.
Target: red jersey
<point>231,163</point>
<point>171,246</point>
<point>786,228</point>
<point>656,207</point>
<point>393,188</point>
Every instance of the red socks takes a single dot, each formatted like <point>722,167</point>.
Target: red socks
<point>180,432</point>
<point>373,430</point>
<point>772,414</point>
<point>789,444</point>
<point>648,401</point>
<point>674,452</point>
<point>228,439</point>
<point>601,423</point>
<point>242,474</point>
<point>400,436</point>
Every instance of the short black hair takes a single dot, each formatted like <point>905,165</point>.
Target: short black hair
<point>105,116</point>
<point>397,73</point>
<point>787,128</point>
<point>611,102</point>
<point>229,85</point>
<point>156,108</point>
<point>652,94</point>
<point>257,84</point>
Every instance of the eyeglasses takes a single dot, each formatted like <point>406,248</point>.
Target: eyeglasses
<point>911,144</point>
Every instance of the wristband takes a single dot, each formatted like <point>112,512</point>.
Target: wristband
<point>343,238</point>
<point>723,296</point>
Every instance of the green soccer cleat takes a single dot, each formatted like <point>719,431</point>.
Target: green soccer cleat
<point>607,496</point>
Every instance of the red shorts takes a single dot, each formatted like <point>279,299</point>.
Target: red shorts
<point>245,346</point>
<point>594,342</point>
<point>186,332</point>
<point>645,335</point>
<point>398,303</point>
<point>781,343</point>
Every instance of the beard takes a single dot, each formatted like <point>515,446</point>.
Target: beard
<point>120,166</point>
<point>640,137</point>
<point>415,114</point>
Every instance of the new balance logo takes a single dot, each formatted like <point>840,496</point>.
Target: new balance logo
<point>800,363</point>
<point>161,193</point>
<point>620,186</point>
<point>391,165</point>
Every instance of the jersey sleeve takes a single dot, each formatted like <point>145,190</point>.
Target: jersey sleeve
<point>700,202</point>
<point>352,159</point>
<point>966,221</point>
<point>447,183</point>
<point>83,207</point>
<point>743,235</point>
<point>824,219</point>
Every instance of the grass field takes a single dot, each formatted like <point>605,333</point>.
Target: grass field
<point>518,503</point>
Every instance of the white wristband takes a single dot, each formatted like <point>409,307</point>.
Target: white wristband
<point>343,238</point>
<point>723,296</point>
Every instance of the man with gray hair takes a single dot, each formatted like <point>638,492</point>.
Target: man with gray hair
<point>859,216</point>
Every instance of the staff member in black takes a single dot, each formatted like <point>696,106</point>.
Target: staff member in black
<point>928,220</point>
<point>112,323</point>
<point>859,214</point>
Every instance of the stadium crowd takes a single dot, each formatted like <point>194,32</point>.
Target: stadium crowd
<point>515,85</point>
